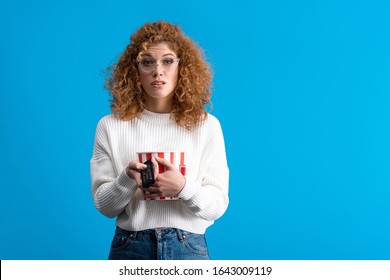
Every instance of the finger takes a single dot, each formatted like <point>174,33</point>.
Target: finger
<point>138,180</point>
<point>153,192</point>
<point>141,166</point>
<point>151,196</point>
<point>155,168</point>
<point>137,166</point>
<point>164,162</point>
<point>148,195</point>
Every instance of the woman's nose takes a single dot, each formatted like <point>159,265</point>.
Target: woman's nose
<point>157,70</point>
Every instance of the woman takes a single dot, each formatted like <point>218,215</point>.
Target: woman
<point>160,86</point>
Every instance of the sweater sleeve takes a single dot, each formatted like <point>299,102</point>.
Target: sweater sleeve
<point>207,197</point>
<point>111,191</point>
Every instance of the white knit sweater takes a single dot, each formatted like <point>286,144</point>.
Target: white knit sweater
<point>205,195</point>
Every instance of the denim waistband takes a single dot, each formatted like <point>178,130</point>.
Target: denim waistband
<point>160,232</point>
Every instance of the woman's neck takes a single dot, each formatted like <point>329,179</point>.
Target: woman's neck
<point>158,105</point>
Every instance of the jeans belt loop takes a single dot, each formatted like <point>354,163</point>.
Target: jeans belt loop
<point>133,235</point>
<point>180,236</point>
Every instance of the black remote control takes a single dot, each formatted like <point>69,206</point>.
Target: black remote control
<point>147,175</point>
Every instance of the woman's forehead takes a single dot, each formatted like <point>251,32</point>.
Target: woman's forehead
<point>159,49</point>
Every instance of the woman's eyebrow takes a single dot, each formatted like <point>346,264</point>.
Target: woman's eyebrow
<point>167,54</point>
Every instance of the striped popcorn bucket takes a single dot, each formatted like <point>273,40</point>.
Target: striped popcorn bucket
<point>176,158</point>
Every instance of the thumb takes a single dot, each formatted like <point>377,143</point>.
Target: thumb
<point>164,162</point>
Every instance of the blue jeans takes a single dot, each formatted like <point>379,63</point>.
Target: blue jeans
<point>159,244</point>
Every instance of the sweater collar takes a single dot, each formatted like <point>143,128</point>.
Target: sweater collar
<point>155,117</point>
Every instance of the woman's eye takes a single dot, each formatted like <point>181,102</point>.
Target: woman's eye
<point>168,61</point>
<point>147,62</point>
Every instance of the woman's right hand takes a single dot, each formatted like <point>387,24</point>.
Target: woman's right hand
<point>134,168</point>
<point>133,171</point>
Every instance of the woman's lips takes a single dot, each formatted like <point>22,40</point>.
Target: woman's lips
<point>158,84</point>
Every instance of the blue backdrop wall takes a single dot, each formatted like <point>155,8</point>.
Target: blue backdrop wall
<point>301,89</point>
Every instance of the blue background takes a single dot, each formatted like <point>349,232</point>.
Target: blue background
<point>301,89</point>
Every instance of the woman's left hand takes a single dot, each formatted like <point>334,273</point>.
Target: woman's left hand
<point>168,183</point>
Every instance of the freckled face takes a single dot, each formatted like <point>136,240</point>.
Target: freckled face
<point>158,70</point>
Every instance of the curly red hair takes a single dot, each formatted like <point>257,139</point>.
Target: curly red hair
<point>193,89</point>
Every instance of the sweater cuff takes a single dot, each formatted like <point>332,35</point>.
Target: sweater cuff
<point>124,181</point>
<point>189,190</point>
